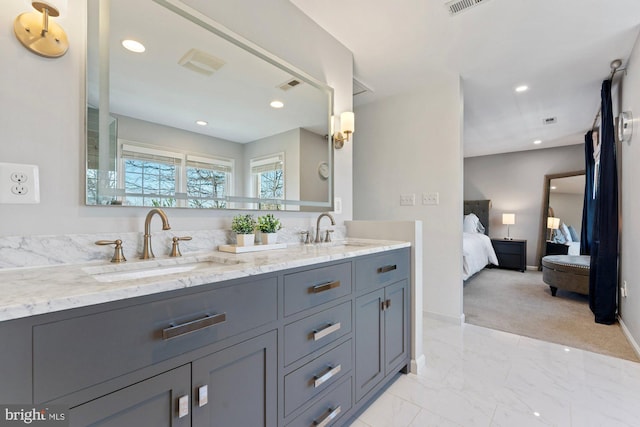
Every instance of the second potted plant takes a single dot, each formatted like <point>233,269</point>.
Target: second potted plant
<point>244,227</point>
<point>269,226</point>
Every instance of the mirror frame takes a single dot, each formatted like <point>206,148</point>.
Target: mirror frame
<point>216,28</point>
<point>542,239</point>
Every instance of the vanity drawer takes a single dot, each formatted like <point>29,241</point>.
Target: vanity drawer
<point>308,381</point>
<point>380,270</point>
<point>328,409</point>
<point>75,353</point>
<point>314,332</point>
<point>313,287</point>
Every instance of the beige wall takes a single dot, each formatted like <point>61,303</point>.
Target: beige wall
<point>43,106</point>
<point>630,238</point>
<point>412,143</point>
<point>514,183</point>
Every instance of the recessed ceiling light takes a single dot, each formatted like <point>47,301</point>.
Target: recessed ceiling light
<point>522,88</point>
<point>553,187</point>
<point>537,142</point>
<point>133,46</point>
<point>277,104</point>
<point>537,414</point>
<point>201,122</point>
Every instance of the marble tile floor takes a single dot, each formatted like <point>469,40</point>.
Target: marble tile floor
<point>479,377</point>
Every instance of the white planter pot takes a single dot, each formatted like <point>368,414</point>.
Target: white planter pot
<point>269,238</point>
<point>245,239</point>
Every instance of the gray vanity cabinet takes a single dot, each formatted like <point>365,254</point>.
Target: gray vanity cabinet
<point>381,320</point>
<point>153,403</point>
<point>306,346</point>
<point>240,384</point>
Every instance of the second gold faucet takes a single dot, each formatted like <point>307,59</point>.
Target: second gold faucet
<point>147,251</point>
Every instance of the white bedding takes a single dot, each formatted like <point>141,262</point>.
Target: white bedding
<point>574,248</point>
<point>477,253</point>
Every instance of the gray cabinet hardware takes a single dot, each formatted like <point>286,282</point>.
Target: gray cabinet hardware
<point>324,287</point>
<point>387,268</point>
<point>194,325</point>
<point>328,418</point>
<point>319,380</point>
<point>203,395</point>
<point>183,406</point>
<point>319,334</point>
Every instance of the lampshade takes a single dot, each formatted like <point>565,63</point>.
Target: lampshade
<point>553,223</point>
<point>347,122</point>
<point>508,218</point>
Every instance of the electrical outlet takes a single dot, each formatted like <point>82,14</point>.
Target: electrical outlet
<point>407,199</point>
<point>19,183</point>
<point>431,198</point>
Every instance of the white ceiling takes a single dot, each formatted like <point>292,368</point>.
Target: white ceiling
<point>561,49</point>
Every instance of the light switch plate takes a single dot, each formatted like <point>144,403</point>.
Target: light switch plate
<point>431,198</point>
<point>407,200</point>
<point>19,183</point>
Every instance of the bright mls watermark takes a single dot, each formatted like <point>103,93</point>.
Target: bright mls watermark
<point>34,415</point>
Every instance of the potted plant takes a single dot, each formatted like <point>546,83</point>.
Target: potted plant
<point>244,227</point>
<point>269,226</point>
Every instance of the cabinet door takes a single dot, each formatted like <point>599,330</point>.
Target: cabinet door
<point>395,326</point>
<point>369,336</point>
<point>241,385</point>
<point>150,403</point>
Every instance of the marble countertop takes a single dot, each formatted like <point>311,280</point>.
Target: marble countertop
<point>31,291</point>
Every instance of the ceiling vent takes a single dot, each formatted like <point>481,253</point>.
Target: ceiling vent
<point>550,121</point>
<point>201,62</point>
<point>289,84</point>
<point>359,87</point>
<point>458,6</point>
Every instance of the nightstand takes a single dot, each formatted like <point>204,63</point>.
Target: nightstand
<point>512,254</point>
<point>556,249</point>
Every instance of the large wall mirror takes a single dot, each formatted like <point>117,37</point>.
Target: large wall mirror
<point>201,118</point>
<point>563,201</point>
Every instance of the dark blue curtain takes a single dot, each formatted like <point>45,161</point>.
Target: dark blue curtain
<point>589,204</point>
<point>603,275</point>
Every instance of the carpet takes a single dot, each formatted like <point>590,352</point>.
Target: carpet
<point>521,303</point>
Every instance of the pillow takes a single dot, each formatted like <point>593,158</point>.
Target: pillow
<point>574,234</point>
<point>565,231</point>
<point>558,237</point>
<point>472,224</point>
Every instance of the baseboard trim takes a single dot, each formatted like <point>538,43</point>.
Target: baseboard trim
<point>445,318</point>
<point>533,268</point>
<point>417,365</point>
<point>630,337</point>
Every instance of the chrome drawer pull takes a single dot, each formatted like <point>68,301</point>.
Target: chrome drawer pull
<point>387,268</point>
<point>319,380</point>
<point>324,287</point>
<point>194,325</point>
<point>318,334</point>
<point>326,420</point>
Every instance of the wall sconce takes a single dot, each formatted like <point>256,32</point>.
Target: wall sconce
<point>38,34</point>
<point>508,219</point>
<point>553,223</point>
<point>347,127</point>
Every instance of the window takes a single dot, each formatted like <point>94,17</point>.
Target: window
<point>267,175</point>
<point>208,182</point>
<point>151,176</point>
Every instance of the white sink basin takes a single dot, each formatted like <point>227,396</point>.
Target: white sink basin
<point>153,268</point>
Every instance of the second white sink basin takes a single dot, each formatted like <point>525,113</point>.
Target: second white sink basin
<point>153,268</point>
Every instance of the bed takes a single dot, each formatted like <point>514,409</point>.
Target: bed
<point>477,251</point>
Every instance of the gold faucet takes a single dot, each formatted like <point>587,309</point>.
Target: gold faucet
<point>333,222</point>
<point>147,252</point>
